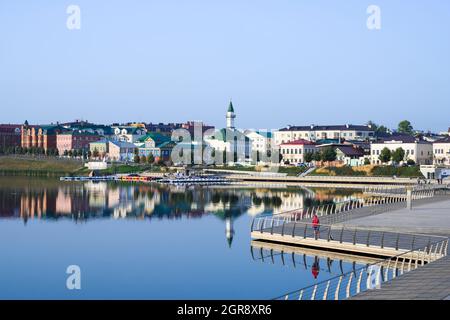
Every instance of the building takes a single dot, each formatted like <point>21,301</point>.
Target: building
<point>441,151</point>
<point>163,128</point>
<point>419,151</point>
<point>350,155</point>
<point>99,129</point>
<point>128,133</point>
<point>261,142</point>
<point>10,135</point>
<point>101,147</point>
<point>230,141</point>
<point>75,140</point>
<point>314,133</point>
<point>293,152</point>
<point>156,144</point>
<point>40,136</point>
<point>121,151</point>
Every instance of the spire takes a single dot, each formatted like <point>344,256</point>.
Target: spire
<point>230,107</point>
<point>230,116</point>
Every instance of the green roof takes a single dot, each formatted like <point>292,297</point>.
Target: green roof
<point>230,107</point>
<point>157,137</point>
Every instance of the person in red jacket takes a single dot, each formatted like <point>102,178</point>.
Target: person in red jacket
<point>316,226</point>
<point>315,267</point>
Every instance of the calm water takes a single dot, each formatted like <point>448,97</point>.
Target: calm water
<point>147,241</point>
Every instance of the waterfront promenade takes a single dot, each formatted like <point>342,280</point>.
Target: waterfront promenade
<point>429,282</point>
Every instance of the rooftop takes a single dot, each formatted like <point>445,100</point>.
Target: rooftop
<point>299,142</point>
<point>328,127</point>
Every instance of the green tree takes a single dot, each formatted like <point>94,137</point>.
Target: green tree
<point>317,156</point>
<point>398,155</point>
<point>405,127</point>
<point>95,154</point>
<point>137,159</point>
<point>366,161</point>
<point>143,159</point>
<point>309,156</point>
<point>385,155</point>
<point>328,154</point>
<point>150,158</point>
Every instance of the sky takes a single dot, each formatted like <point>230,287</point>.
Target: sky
<point>296,62</point>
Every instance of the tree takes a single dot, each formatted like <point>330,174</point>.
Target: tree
<point>66,153</point>
<point>410,162</point>
<point>405,127</point>
<point>317,156</point>
<point>309,156</point>
<point>150,158</point>
<point>137,159</point>
<point>143,159</point>
<point>398,155</point>
<point>328,154</point>
<point>95,154</point>
<point>366,161</point>
<point>385,155</point>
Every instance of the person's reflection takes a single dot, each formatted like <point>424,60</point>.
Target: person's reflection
<point>315,267</point>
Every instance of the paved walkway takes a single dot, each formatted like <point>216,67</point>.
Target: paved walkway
<point>429,218</point>
<point>432,281</point>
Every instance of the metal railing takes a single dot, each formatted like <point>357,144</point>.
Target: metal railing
<point>339,207</point>
<point>397,241</point>
<point>371,276</point>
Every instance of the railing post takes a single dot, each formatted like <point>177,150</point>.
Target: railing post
<point>342,232</point>
<point>304,233</point>
<point>382,240</point>
<point>396,243</point>
<point>282,228</point>
<point>293,229</point>
<point>253,222</point>
<point>329,234</point>
<point>271,228</point>
<point>368,238</point>
<point>354,237</point>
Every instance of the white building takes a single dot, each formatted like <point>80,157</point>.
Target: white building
<point>441,152</point>
<point>235,143</point>
<point>421,152</point>
<point>261,142</point>
<point>128,133</point>
<point>294,152</point>
<point>314,133</point>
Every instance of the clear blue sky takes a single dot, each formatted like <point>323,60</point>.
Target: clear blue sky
<point>282,62</point>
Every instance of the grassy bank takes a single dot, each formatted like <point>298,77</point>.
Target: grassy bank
<point>45,166</point>
<point>369,171</point>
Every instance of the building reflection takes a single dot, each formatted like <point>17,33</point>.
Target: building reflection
<point>80,202</point>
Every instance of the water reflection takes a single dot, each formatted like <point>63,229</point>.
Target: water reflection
<point>29,199</point>
<point>318,262</point>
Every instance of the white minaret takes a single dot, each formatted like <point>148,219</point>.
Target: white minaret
<point>229,230</point>
<point>230,116</point>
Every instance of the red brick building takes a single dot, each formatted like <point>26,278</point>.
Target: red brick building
<point>75,140</point>
<point>10,135</point>
<point>37,136</point>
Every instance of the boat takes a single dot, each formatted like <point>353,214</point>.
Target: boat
<point>180,179</point>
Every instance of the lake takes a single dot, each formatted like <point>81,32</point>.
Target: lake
<point>149,241</point>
